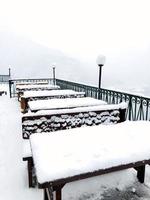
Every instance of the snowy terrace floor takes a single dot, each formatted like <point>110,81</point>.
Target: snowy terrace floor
<point>13,173</point>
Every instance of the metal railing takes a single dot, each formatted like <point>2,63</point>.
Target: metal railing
<point>14,82</point>
<point>138,106</point>
<point>4,78</point>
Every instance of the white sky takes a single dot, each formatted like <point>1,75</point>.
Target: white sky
<point>82,28</point>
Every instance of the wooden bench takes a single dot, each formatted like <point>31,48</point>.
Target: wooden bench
<point>112,148</point>
<point>56,120</point>
<point>36,87</point>
<point>41,95</point>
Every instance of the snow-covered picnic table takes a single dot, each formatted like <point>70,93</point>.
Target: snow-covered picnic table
<point>51,93</point>
<point>64,103</point>
<point>67,155</point>
<point>55,120</point>
<point>36,87</point>
<point>31,83</point>
<point>47,94</point>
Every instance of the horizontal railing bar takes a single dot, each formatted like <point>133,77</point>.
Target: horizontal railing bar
<point>107,90</point>
<point>138,106</point>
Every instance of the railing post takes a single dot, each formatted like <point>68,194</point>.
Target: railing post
<point>130,108</point>
<point>10,88</point>
<point>54,76</point>
<point>99,93</point>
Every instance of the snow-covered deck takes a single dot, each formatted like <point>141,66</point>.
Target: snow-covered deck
<point>88,149</point>
<point>13,171</point>
<point>64,103</point>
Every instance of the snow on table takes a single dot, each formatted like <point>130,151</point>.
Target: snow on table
<point>75,151</point>
<point>105,107</point>
<point>29,87</point>
<point>28,94</point>
<point>64,103</point>
<point>31,83</point>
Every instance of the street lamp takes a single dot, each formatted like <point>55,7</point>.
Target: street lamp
<point>100,62</point>
<point>54,75</point>
<point>9,72</point>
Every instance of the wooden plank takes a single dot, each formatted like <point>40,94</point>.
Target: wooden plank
<point>96,173</point>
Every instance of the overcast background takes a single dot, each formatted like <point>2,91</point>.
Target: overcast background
<point>71,33</point>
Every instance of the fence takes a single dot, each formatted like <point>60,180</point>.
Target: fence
<point>4,78</point>
<point>14,82</point>
<point>138,106</point>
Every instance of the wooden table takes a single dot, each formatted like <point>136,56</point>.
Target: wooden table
<point>35,87</point>
<point>50,94</point>
<point>51,104</point>
<point>80,153</point>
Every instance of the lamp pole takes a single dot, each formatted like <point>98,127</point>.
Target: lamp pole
<point>100,76</point>
<point>9,72</point>
<point>54,76</point>
<point>100,62</point>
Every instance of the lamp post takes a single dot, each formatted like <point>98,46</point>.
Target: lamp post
<point>100,62</point>
<point>54,75</point>
<point>9,72</point>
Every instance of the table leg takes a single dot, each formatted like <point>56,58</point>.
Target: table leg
<point>140,173</point>
<point>30,168</point>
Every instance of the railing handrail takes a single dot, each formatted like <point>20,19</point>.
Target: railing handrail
<point>4,74</point>
<point>29,79</point>
<point>138,106</point>
<point>104,89</point>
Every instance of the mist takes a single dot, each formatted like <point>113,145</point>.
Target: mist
<point>126,71</point>
<point>35,35</point>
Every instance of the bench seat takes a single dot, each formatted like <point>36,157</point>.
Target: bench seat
<point>53,120</point>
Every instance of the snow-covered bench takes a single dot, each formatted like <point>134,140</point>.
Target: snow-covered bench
<point>75,154</point>
<point>40,95</point>
<point>35,87</point>
<point>41,82</point>
<point>55,120</point>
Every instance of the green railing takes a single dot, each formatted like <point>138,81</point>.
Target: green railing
<point>4,78</point>
<point>138,106</point>
<point>14,82</point>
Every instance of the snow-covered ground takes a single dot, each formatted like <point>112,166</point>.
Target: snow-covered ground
<point>121,185</point>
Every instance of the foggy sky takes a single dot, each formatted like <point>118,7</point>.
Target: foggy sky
<point>83,28</point>
<point>119,29</point>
